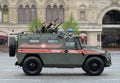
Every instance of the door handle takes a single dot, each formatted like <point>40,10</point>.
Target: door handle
<point>66,51</point>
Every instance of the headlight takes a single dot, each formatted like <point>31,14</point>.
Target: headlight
<point>108,56</point>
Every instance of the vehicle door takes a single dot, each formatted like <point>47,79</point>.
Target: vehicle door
<point>73,52</point>
<point>54,52</point>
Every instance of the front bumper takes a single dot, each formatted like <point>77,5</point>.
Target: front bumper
<point>108,59</point>
<point>108,63</point>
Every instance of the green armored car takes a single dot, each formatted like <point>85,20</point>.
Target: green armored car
<point>37,50</point>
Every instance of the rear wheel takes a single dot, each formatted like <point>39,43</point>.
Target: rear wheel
<point>32,66</point>
<point>83,69</point>
<point>94,66</point>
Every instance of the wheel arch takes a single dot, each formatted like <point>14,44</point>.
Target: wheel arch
<point>99,56</point>
<point>32,55</point>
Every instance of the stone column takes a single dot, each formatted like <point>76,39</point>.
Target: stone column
<point>12,14</point>
<point>41,12</point>
<point>66,13</point>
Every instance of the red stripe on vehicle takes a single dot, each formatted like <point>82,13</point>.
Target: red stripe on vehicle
<point>43,45</point>
<point>90,52</point>
<point>34,51</point>
<point>57,51</point>
<point>47,51</point>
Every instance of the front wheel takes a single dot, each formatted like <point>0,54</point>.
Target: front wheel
<point>32,66</point>
<point>94,66</point>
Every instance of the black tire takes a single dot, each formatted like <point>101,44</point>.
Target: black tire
<point>12,46</point>
<point>32,66</point>
<point>94,66</point>
<point>83,69</point>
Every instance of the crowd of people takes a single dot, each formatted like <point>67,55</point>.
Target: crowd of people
<point>50,28</point>
<point>3,41</point>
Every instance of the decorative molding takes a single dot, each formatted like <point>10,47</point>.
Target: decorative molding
<point>82,7</point>
<point>26,2</point>
<point>3,2</point>
<point>55,2</point>
<point>115,2</point>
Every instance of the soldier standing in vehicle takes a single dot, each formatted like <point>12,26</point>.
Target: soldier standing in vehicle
<point>43,29</point>
<point>37,30</point>
<point>51,28</point>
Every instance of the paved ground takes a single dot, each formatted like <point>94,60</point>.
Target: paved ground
<point>13,74</point>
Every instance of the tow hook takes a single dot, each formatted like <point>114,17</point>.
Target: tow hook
<point>17,64</point>
<point>83,54</point>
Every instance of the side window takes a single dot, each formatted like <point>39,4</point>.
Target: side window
<point>53,41</point>
<point>70,45</point>
<point>54,44</point>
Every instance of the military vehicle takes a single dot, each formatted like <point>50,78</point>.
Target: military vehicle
<point>58,49</point>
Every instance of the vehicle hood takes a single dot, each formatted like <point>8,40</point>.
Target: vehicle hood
<point>94,51</point>
<point>99,50</point>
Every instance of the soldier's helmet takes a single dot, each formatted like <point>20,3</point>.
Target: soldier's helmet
<point>70,32</point>
<point>60,33</point>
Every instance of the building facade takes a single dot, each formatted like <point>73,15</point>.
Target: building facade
<point>99,20</point>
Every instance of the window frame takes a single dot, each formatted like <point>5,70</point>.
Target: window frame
<point>82,15</point>
<point>26,14</point>
<point>5,14</point>
<point>54,13</point>
<point>53,41</point>
<point>74,47</point>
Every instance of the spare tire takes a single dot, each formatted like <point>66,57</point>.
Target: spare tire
<point>12,46</point>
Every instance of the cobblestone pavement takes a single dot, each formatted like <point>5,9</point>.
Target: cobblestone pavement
<point>14,74</point>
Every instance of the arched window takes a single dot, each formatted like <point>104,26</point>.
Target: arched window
<point>53,13</point>
<point>20,14</point>
<point>27,14</point>
<point>112,17</point>
<point>61,14</point>
<point>48,14</point>
<point>33,12</point>
<point>5,14</point>
<point>82,15</point>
